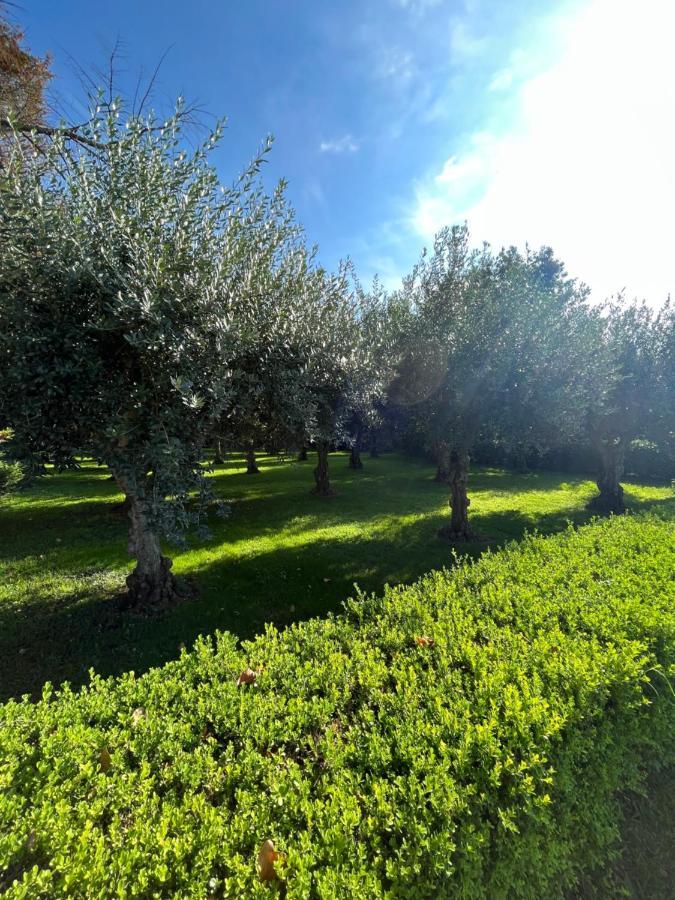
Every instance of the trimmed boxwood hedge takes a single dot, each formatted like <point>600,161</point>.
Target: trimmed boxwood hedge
<point>462,737</point>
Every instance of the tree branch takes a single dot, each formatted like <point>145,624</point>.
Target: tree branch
<point>70,134</point>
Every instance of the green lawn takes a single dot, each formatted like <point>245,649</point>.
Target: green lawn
<point>282,554</point>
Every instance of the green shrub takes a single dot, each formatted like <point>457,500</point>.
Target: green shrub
<point>11,476</point>
<point>483,761</point>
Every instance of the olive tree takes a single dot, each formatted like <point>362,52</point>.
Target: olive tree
<point>497,349</point>
<point>632,391</point>
<point>549,331</point>
<point>372,371</point>
<point>455,357</point>
<point>118,275</point>
<point>270,383</point>
<point>332,359</point>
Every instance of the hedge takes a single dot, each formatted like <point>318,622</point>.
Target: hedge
<point>465,736</point>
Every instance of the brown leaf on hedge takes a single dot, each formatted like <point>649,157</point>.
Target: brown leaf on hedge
<point>104,759</point>
<point>424,641</point>
<point>137,715</point>
<point>267,856</point>
<point>248,676</point>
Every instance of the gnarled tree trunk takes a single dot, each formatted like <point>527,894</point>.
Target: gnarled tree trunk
<point>218,459</point>
<point>610,498</point>
<point>322,487</point>
<point>355,454</point>
<point>459,529</point>
<point>302,455</point>
<point>151,585</point>
<point>443,469</point>
<point>251,464</point>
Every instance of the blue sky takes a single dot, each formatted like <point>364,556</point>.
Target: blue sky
<point>548,121</point>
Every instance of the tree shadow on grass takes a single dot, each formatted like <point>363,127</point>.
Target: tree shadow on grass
<point>57,641</point>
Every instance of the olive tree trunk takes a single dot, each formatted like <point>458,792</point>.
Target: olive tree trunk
<point>151,585</point>
<point>302,455</point>
<point>322,487</point>
<point>443,468</point>
<point>610,499</point>
<point>251,464</point>
<point>355,454</point>
<point>458,479</point>
<point>218,459</point>
<point>519,459</point>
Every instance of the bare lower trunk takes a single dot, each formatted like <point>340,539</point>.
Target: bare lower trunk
<point>355,455</point>
<point>218,459</point>
<point>459,529</point>
<point>519,459</point>
<point>151,585</point>
<point>443,469</point>
<point>322,488</point>
<point>302,455</point>
<point>251,464</point>
<point>610,498</point>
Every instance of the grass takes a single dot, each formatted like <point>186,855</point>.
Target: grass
<point>281,555</point>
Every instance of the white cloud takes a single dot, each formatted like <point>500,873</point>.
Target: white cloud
<point>501,80</point>
<point>463,43</point>
<point>344,144</point>
<point>388,271</point>
<point>417,7</point>
<point>588,165</point>
<point>394,64</point>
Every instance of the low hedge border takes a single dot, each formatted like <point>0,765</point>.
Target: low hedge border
<point>465,736</point>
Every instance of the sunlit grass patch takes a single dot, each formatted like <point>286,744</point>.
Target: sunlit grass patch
<point>282,553</point>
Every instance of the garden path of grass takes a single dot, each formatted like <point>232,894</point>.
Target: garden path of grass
<point>283,554</point>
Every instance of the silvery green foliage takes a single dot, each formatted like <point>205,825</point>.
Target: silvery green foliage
<point>631,390</point>
<point>664,356</point>
<point>122,274</point>
<point>632,393</point>
<point>341,369</point>
<point>549,335</point>
<point>371,377</point>
<point>333,357</point>
<point>495,346</point>
<point>274,306</point>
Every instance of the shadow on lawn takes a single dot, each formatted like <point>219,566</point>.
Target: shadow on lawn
<point>61,640</point>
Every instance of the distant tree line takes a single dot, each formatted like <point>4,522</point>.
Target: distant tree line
<point>149,312</point>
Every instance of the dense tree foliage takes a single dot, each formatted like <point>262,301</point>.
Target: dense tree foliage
<point>633,384</point>
<point>494,347</point>
<point>124,282</point>
<point>268,375</point>
<point>372,374</point>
